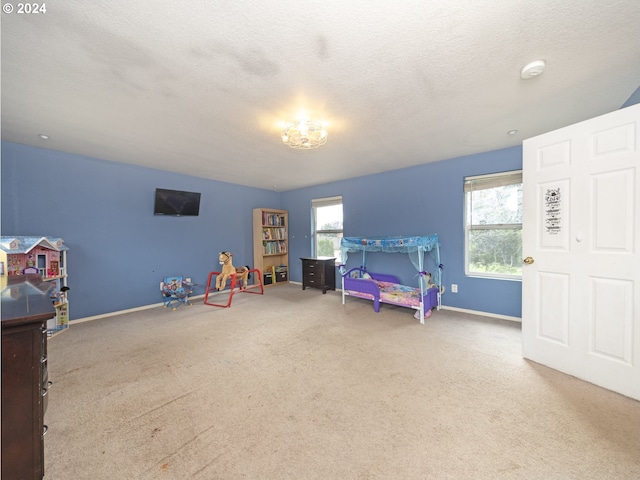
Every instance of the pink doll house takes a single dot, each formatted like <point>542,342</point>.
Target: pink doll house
<point>44,256</point>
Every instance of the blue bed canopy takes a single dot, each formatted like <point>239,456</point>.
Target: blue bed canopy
<point>414,246</point>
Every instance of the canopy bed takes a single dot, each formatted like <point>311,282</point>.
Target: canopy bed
<point>387,288</point>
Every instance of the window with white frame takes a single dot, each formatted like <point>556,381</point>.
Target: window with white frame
<point>327,227</point>
<point>493,225</point>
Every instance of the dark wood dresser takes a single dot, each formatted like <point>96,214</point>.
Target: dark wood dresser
<point>26,307</point>
<point>319,273</point>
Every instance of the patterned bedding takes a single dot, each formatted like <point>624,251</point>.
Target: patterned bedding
<point>393,293</point>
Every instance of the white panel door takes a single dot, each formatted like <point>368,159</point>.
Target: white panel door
<point>581,236</point>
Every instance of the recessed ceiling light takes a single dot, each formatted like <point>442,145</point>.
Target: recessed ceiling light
<point>512,132</point>
<point>532,69</point>
<point>44,137</point>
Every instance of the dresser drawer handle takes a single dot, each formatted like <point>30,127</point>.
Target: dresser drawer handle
<point>46,389</point>
<point>43,359</point>
<point>45,429</point>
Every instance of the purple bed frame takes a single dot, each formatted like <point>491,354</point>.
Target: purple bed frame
<point>365,286</point>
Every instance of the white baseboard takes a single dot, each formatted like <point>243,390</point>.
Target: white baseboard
<point>131,310</point>
<point>484,314</point>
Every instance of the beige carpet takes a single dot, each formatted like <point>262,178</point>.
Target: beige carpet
<point>294,385</point>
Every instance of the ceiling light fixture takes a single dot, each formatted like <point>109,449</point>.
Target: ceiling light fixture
<point>512,132</point>
<point>532,69</point>
<point>304,134</point>
<point>44,137</point>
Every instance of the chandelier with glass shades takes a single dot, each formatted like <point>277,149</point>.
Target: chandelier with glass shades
<point>304,134</point>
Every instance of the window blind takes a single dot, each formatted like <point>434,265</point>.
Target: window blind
<point>484,182</point>
<point>326,202</point>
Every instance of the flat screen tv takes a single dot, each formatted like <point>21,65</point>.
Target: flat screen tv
<point>176,203</point>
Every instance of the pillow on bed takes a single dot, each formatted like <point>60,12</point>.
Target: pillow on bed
<point>366,275</point>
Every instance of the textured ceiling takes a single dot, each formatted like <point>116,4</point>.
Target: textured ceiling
<point>203,87</point>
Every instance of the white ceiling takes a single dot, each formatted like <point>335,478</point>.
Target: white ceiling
<point>202,87</point>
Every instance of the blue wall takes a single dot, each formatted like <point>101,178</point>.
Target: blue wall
<point>414,201</point>
<point>119,251</point>
<point>633,99</point>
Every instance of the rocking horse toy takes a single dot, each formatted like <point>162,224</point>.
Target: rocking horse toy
<point>242,273</point>
<point>238,276</point>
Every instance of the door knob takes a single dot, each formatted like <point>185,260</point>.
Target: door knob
<point>528,260</point>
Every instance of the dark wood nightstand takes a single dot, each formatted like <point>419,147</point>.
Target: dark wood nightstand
<point>319,273</point>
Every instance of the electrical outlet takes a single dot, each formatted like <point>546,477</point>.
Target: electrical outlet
<point>454,288</point>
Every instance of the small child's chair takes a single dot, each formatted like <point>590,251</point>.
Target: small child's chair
<point>174,293</point>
